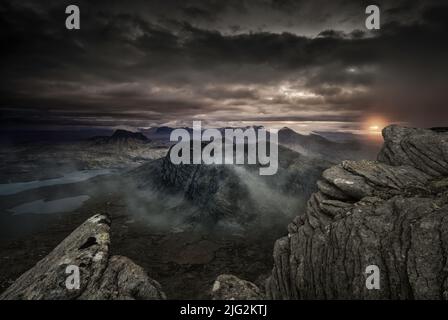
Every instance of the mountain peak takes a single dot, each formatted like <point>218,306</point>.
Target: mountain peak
<point>121,134</point>
<point>288,130</point>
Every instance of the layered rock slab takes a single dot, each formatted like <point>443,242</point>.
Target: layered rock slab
<point>102,276</point>
<point>426,150</point>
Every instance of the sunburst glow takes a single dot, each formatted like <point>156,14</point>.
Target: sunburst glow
<point>373,126</point>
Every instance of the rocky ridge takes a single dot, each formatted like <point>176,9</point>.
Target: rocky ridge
<point>392,213</point>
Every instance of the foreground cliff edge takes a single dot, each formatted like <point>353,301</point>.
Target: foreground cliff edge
<point>101,276</point>
<point>392,213</point>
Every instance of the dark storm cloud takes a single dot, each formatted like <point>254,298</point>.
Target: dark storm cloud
<point>146,62</point>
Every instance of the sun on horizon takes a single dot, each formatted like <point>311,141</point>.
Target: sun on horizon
<point>374,126</point>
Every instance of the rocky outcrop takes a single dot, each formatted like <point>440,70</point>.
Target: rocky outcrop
<point>101,276</point>
<point>392,213</point>
<point>124,280</point>
<point>426,150</point>
<point>229,287</point>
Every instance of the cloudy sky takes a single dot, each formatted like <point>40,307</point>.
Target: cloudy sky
<point>309,65</point>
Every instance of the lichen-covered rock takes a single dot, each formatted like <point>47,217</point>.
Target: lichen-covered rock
<point>101,276</point>
<point>229,287</point>
<point>392,213</point>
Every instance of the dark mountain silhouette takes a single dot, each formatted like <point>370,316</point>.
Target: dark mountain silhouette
<point>122,137</point>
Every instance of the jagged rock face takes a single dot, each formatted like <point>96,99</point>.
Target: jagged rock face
<point>392,213</point>
<point>210,193</point>
<point>229,287</point>
<point>426,150</point>
<point>231,193</point>
<point>101,276</point>
<point>215,189</point>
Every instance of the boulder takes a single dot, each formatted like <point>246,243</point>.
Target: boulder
<point>229,287</point>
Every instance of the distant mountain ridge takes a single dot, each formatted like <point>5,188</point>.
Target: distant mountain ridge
<point>122,136</point>
<point>315,145</point>
<point>164,132</point>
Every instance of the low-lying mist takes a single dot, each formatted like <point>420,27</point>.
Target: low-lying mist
<point>260,206</point>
